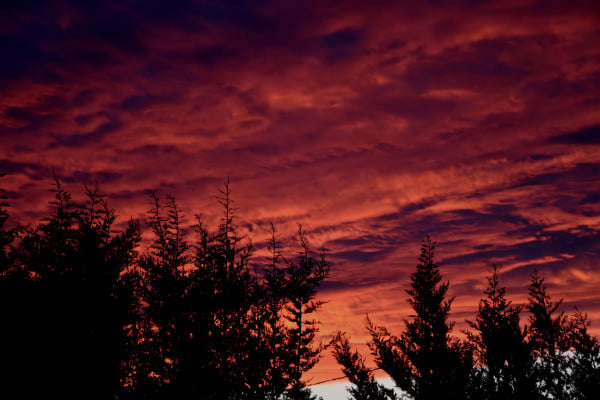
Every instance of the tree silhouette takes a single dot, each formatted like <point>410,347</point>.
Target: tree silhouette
<point>546,325</point>
<point>500,346</point>
<point>303,277</point>
<point>274,290</point>
<point>157,289</point>
<point>583,360</point>
<point>15,302</point>
<point>210,324</point>
<point>425,360</point>
<point>84,315</point>
<point>364,385</point>
<point>566,358</point>
<point>225,332</point>
<point>546,338</point>
<point>67,321</point>
<point>6,236</point>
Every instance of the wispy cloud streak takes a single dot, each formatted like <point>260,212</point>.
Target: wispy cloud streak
<point>372,123</point>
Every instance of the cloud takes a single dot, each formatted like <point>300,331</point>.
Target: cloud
<point>589,135</point>
<point>372,124</point>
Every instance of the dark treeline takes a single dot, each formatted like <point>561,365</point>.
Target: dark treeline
<point>551,356</point>
<point>86,315</point>
<point>87,312</point>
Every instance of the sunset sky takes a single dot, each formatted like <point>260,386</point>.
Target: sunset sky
<point>372,123</point>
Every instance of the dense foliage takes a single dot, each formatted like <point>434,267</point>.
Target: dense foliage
<point>551,357</point>
<point>86,314</point>
<point>91,312</point>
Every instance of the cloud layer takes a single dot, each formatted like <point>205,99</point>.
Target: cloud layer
<point>372,123</point>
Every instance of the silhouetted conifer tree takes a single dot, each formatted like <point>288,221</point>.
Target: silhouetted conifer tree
<point>546,338</point>
<point>225,336</point>
<point>566,359</point>
<point>15,288</point>
<point>364,385</point>
<point>212,326</point>
<point>500,346</point>
<point>546,325</point>
<point>274,288</point>
<point>158,289</point>
<point>6,236</point>
<point>583,359</point>
<point>304,275</point>
<point>69,329</point>
<point>425,360</point>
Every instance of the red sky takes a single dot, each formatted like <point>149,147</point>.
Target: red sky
<point>372,123</point>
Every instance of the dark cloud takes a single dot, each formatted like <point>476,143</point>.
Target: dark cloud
<point>341,44</point>
<point>551,243</point>
<point>35,171</point>
<point>22,52</point>
<point>591,198</point>
<point>92,58</point>
<point>84,97</point>
<point>213,56</point>
<point>569,177</point>
<point>589,135</point>
<point>33,117</point>
<point>372,123</point>
<point>89,178</point>
<point>25,115</point>
<point>141,102</point>
<point>347,37</point>
<point>87,138</point>
<point>151,152</point>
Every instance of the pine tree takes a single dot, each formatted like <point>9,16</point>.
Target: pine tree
<point>230,335</point>
<point>425,360</point>
<point>566,357</point>
<point>500,345</point>
<point>226,346</point>
<point>546,325</point>
<point>583,358</point>
<point>6,236</point>
<point>91,318</point>
<point>364,385</point>
<point>15,302</point>
<point>279,354</point>
<point>304,276</point>
<point>156,289</point>
<point>546,338</point>
<point>71,326</point>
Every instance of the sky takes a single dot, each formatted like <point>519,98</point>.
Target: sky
<point>371,123</point>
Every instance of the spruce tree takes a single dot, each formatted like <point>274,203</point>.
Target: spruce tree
<point>566,358</point>
<point>364,385</point>
<point>71,327</point>
<point>224,338</point>
<point>158,286</point>
<point>546,338</point>
<point>91,318</point>
<point>501,349</point>
<point>7,236</point>
<point>279,355</point>
<point>220,328</point>
<point>15,303</point>
<point>304,275</point>
<point>425,360</point>
<point>583,358</point>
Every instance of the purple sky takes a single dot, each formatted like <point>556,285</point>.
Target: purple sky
<point>372,123</point>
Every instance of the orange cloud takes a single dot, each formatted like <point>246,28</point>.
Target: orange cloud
<point>372,124</point>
